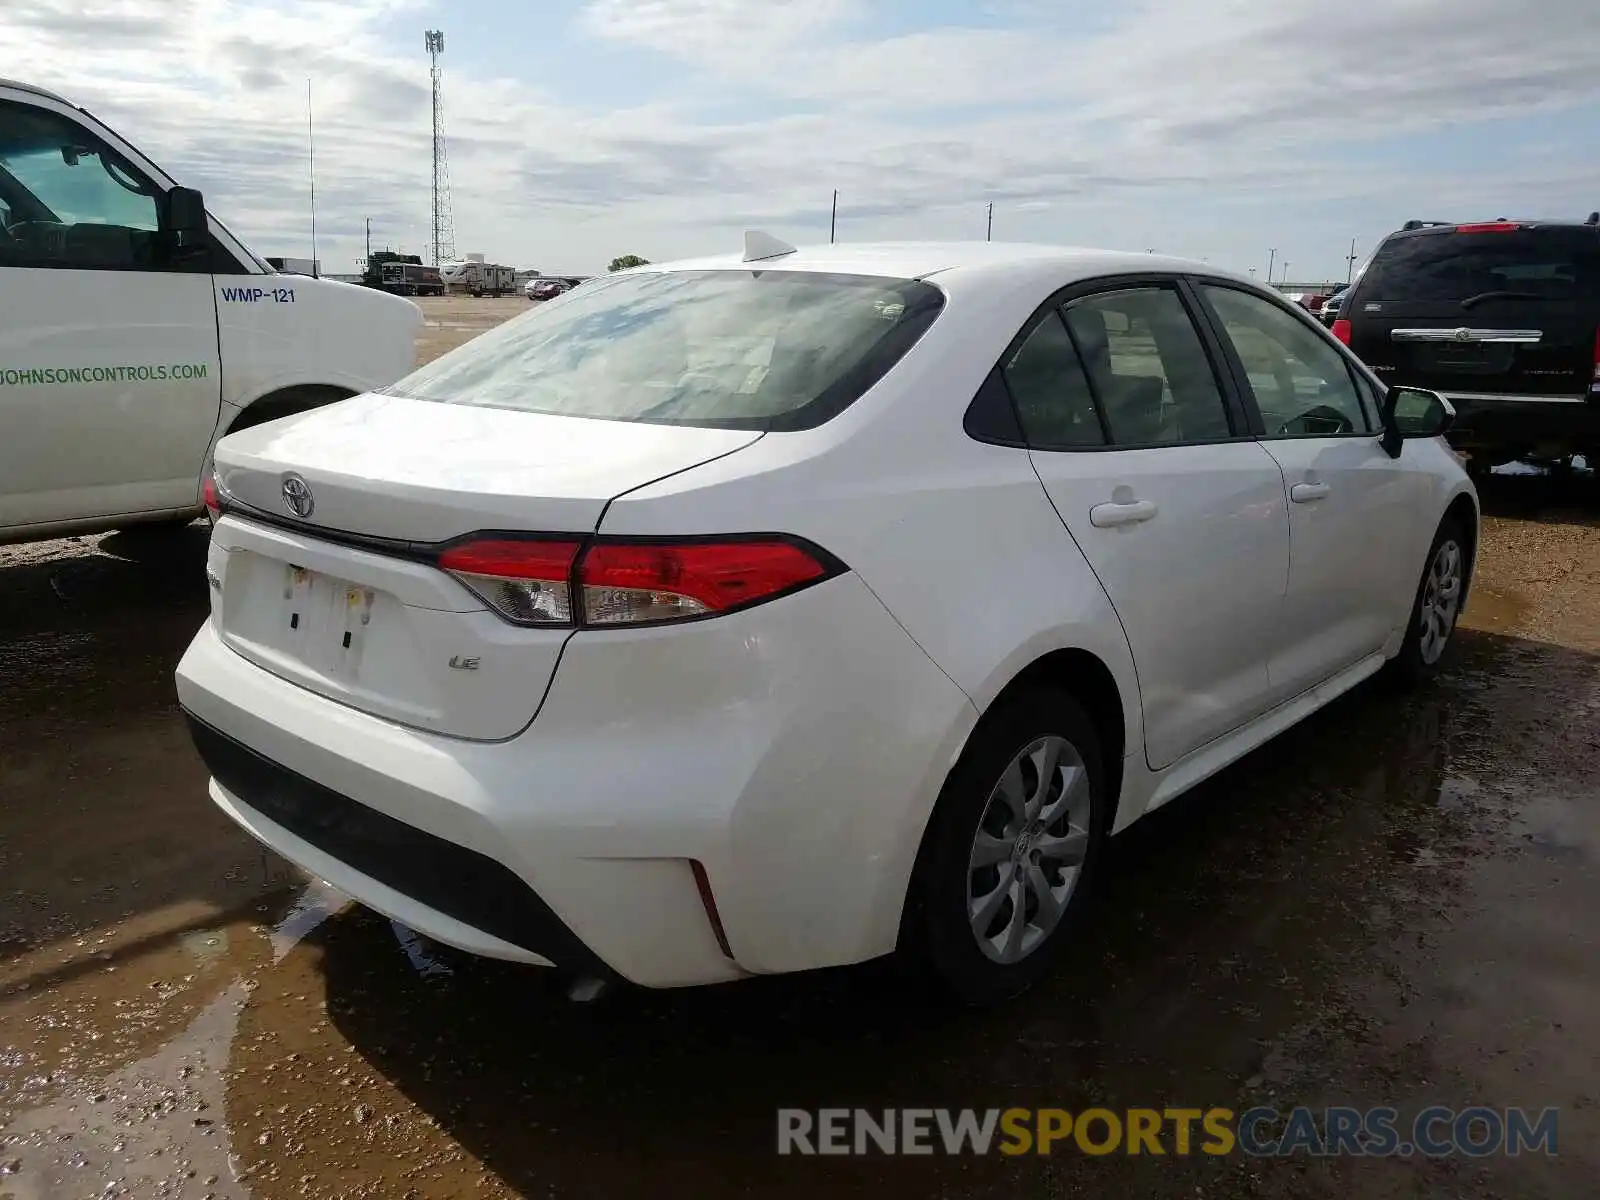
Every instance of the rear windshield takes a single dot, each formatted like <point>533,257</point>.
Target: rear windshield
<point>756,349</point>
<point>1542,264</point>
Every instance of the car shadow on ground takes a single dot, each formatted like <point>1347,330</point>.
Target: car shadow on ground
<point>1571,498</point>
<point>1249,937</point>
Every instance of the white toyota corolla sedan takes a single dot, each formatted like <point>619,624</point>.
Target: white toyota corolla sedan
<point>784,610</point>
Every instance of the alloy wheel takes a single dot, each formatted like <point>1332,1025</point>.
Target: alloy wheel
<point>1441,601</point>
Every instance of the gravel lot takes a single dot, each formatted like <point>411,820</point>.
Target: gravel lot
<point>1393,904</point>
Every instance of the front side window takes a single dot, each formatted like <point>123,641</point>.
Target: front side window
<point>737,349</point>
<point>1301,384</point>
<point>1051,392</point>
<point>67,201</point>
<point>1148,368</point>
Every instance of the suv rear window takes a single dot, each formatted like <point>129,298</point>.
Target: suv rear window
<point>739,349</point>
<point>1449,267</point>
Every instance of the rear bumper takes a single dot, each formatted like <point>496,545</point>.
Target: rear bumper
<point>1524,423</point>
<point>794,751</point>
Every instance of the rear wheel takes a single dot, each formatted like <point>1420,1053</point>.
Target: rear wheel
<point>1009,854</point>
<point>1437,606</point>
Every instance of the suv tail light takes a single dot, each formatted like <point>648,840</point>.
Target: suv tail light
<point>610,583</point>
<point>212,497</point>
<point>1341,330</point>
<point>1489,227</point>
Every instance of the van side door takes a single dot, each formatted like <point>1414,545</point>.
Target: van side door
<point>110,381</point>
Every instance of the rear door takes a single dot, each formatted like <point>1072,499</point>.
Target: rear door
<point>1180,512</point>
<point>1491,311</point>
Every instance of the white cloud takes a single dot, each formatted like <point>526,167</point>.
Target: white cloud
<point>1150,123</point>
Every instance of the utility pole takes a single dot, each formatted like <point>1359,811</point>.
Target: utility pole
<point>1272,257</point>
<point>311,146</point>
<point>833,217</point>
<point>1350,263</point>
<point>444,238</point>
<point>369,239</point>
<point>1285,278</point>
<point>989,234</point>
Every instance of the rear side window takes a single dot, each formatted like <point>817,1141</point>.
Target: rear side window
<point>1148,368</point>
<point>1449,268</point>
<point>739,349</point>
<point>1051,392</point>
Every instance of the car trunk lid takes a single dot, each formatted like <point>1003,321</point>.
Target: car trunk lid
<point>346,600</point>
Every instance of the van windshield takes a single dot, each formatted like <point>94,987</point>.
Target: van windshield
<point>1448,268</point>
<point>737,349</point>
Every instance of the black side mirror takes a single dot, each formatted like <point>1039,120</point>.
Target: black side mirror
<point>1413,412</point>
<point>185,213</point>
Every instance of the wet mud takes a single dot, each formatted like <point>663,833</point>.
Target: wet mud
<point>1393,904</point>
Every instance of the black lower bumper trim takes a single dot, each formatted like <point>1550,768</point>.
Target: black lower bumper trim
<point>460,883</point>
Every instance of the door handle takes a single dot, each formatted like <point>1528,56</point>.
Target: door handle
<point>1109,516</point>
<point>1305,493</point>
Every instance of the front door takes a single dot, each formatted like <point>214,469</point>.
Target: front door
<point>1350,581</point>
<point>109,375</point>
<point>1181,517</point>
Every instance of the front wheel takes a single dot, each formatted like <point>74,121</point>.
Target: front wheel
<point>1437,606</point>
<point>1008,856</point>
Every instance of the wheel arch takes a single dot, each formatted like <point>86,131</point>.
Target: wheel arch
<point>1463,508</point>
<point>285,402</point>
<point>1083,675</point>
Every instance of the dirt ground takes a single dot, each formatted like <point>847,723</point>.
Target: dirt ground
<point>1392,904</point>
<point>450,320</point>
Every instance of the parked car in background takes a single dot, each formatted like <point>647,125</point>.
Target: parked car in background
<point>136,329</point>
<point>782,611</point>
<point>1501,317</point>
<point>544,289</point>
<point>1329,312</point>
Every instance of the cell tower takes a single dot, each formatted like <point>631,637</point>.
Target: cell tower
<point>444,234</point>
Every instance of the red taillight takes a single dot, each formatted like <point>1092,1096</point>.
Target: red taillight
<point>1341,330</point>
<point>526,581</point>
<point>212,497</point>
<point>1490,227</point>
<point>629,583</point>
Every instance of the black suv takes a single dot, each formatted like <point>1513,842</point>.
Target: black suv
<point>1501,316</point>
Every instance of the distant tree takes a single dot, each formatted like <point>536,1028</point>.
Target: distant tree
<point>627,260</point>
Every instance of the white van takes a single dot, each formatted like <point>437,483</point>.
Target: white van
<point>135,330</point>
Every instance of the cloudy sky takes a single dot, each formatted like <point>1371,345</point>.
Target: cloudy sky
<point>582,129</point>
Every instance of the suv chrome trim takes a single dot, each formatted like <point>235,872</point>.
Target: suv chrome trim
<point>1513,337</point>
<point>1516,399</point>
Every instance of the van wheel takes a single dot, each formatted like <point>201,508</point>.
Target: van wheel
<point>1009,854</point>
<point>1437,606</point>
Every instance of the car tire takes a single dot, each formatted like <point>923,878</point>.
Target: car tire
<point>1436,607</point>
<point>981,856</point>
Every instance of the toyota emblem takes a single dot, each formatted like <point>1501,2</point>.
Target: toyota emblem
<point>297,497</point>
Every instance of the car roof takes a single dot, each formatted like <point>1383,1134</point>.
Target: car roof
<point>919,260</point>
<point>18,85</point>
